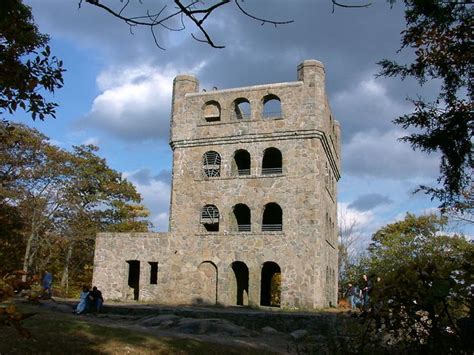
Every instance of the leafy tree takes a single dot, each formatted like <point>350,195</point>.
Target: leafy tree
<point>126,218</point>
<point>27,68</point>
<point>463,211</point>
<point>61,200</point>
<point>32,176</point>
<point>425,287</point>
<point>440,35</point>
<point>95,193</point>
<point>11,240</point>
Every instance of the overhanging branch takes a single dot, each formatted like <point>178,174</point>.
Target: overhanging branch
<point>195,11</point>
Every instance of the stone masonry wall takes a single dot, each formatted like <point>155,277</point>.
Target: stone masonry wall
<point>195,265</point>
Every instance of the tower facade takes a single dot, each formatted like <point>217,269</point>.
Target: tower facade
<point>253,201</point>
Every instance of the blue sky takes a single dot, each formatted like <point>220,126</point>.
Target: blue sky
<point>117,92</point>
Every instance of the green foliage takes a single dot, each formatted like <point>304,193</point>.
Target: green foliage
<point>98,197</point>
<point>53,202</point>
<point>440,34</point>
<point>11,239</point>
<point>398,243</point>
<point>26,65</point>
<point>353,273</point>
<point>425,286</point>
<point>275,290</point>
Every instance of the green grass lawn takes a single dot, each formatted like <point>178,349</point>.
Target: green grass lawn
<point>59,333</point>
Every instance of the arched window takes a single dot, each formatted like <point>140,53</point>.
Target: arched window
<point>211,164</point>
<point>271,106</point>
<point>242,217</point>
<point>212,111</point>
<point>272,162</point>
<point>241,162</point>
<point>210,218</point>
<point>272,218</point>
<point>241,109</point>
<point>270,285</point>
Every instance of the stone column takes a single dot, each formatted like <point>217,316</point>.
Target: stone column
<point>254,284</point>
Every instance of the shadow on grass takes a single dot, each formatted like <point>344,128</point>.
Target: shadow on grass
<point>59,333</point>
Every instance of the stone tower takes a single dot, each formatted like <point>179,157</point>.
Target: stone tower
<point>253,201</point>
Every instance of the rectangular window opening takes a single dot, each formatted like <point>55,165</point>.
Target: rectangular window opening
<point>153,272</point>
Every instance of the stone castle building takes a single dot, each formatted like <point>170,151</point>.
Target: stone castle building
<point>253,202</point>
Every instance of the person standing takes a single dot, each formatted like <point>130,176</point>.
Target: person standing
<point>48,283</point>
<point>351,294</point>
<point>366,290</point>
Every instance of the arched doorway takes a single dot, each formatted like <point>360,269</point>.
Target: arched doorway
<point>207,274</point>
<point>241,273</point>
<point>270,285</point>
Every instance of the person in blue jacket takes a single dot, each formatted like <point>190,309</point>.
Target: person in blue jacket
<point>48,283</point>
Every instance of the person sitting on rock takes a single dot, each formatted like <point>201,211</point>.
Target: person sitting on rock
<point>83,301</point>
<point>96,299</point>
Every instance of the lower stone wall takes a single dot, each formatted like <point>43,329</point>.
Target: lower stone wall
<point>199,268</point>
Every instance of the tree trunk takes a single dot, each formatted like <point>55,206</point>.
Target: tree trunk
<point>27,259</point>
<point>65,276</point>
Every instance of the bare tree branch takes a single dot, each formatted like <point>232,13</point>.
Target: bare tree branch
<point>338,4</point>
<point>264,21</point>
<point>124,6</point>
<point>196,11</point>
<point>348,236</point>
<point>198,23</point>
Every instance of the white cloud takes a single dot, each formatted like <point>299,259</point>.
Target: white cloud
<point>360,223</point>
<point>91,140</point>
<point>134,102</point>
<point>156,197</point>
<point>348,216</point>
<point>160,221</point>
